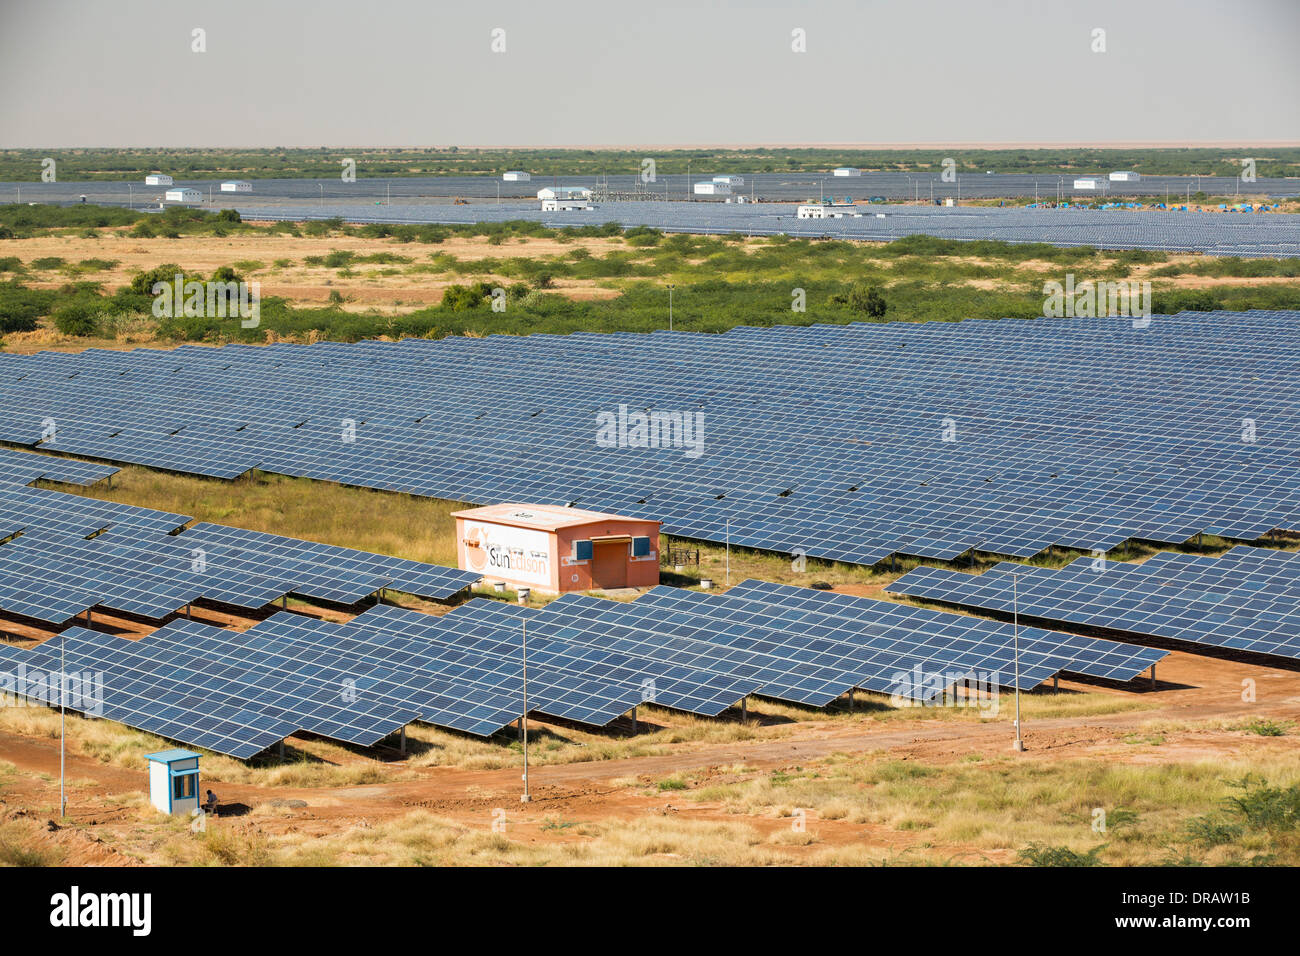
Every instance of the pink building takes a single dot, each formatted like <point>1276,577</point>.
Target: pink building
<point>555,549</point>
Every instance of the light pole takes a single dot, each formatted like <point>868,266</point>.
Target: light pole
<point>130,195</point>
<point>523,717</point>
<point>688,180</point>
<point>671,286</point>
<point>1019,745</point>
<point>63,695</point>
<point>321,187</point>
<point>728,551</point>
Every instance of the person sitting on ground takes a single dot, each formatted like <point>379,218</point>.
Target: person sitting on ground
<point>210,804</point>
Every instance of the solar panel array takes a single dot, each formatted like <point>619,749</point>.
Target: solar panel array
<point>66,554</point>
<point>798,186</point>
<point>1247,599</point>
<point>1222,234</point>
<point>850,443</point>
<point>22,468</point>
<point>589,661</point>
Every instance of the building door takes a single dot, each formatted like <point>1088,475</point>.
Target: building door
<point>609,564</point>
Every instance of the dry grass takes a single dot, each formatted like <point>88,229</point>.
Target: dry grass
<point>423,839</point>
<point>908,813</point>
<point>1003,804</point>
<point>420,529</point>
<point>324,765</point>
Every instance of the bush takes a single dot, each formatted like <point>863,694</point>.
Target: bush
<point>461,298</point>
<point>1038,854</point>
<point>77,318</point>
<point>20,307</point>
<point>863,298</point>
<point>143,283</point>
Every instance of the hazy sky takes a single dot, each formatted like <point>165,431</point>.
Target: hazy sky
<point>587,72</point>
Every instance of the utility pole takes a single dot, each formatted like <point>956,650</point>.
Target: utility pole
<point>63,724</point>
<point>523,717</point>
<point>321,187</point>
<point>671,286</point>
<point>728,552</point>
<point>1019,745</point>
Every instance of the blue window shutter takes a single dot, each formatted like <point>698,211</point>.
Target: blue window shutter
<point>640,547</point>
<point>582,550</point>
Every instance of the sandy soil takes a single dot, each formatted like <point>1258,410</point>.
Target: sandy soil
<point>301,284</point>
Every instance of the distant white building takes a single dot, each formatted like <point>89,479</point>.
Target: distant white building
<point>1085,184</point>
<point>564,192</point>
<point>847,171</point>
<point>812,212</point>
<point>1124,176</point>
<point>158,179</point>
<point>516,176</point>
<point>237,186</point>
<point>730,180</point>
<point>185,194</point>
<point>712,188</point>
<point>565,205</point>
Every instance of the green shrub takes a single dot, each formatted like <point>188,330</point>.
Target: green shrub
<point>76,318</point>
<point>1038,854</point>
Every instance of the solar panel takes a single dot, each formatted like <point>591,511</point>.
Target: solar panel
<point>1245,600</point>
<point>930,439</point>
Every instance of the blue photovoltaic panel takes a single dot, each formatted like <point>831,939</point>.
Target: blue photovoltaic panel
<point>22,468</point>
<point>1247,599</point>
<point>929,439</point>
<point>482,642</point>
<point>986,646</point>
<point>331,572</point>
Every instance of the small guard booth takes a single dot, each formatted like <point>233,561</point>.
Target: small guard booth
<point>555,549</point>
<point>174,781</point>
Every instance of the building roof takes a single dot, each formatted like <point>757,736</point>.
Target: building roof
<point>171,756</point>
<point>542,517</point>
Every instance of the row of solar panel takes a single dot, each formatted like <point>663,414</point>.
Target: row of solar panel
<point>589,660</point>
<point>65,554</point>
<point>929,440</point>
<point>1247,599</point>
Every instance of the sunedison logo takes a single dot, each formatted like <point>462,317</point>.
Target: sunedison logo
<point>73,909</point>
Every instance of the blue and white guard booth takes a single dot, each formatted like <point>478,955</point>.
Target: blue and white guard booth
<point>174,781</point>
